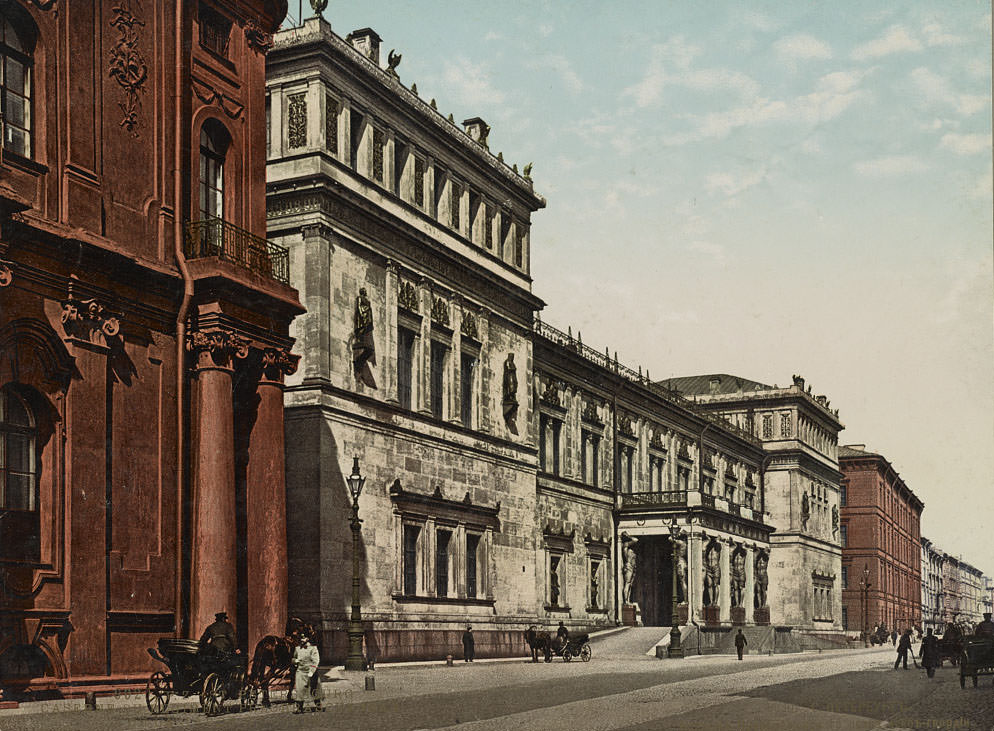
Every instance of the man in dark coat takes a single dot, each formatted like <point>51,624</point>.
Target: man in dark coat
<point>219,637</point>
<point>468,644</point>
<point>740,643</point>
<point>893,637</point>
<point>930,653</point>
<point>903,647</point>
<point>985,628</point>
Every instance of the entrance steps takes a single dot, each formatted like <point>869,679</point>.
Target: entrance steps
<point>721,640</point>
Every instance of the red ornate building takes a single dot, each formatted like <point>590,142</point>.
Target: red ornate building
<point>880,532</point>
<point>143,335</point>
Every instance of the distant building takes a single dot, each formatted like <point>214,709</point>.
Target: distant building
<point>972,586</point>
<point>881,531</point>
<point>799,434</point>
<point>932,595</point>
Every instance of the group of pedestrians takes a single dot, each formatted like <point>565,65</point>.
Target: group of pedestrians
<point>929,651</point>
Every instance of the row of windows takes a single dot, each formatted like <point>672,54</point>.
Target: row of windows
<point>439,375</point>
<point>397,165</point>
<point>453,572</point>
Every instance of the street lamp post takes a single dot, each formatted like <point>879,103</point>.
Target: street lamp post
<point>354,660</point>
<point>864,586</point>
<point>675,649</point>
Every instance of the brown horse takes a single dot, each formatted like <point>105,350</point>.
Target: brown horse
<point>273,656</point>
<point>539,641</point>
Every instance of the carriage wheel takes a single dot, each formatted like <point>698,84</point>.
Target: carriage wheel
<point>248,697</point>
<point>567,655</point>
<point>212,695</point>
<point>586,652</point>
<point>157,691</point>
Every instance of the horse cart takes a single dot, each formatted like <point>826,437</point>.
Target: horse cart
<point>976,659</point>
<point>215,677</point>
<point>577,646</point>
<point>951,644</point>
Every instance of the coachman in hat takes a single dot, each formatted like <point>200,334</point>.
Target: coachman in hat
<point>219,636</point>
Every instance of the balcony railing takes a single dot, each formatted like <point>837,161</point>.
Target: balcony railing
<point>218,238</point>
<point>604,360</point>
<point>650,499</point>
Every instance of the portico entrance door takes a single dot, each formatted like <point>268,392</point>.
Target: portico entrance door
<point>654,580</point>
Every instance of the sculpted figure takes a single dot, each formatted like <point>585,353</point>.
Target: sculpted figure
<point>680,549</point>
<point>738,578</point>
<point>712,575</point>
<point>629,559</point>
<point>510,397</point>
<point>760,578</point>
<point>363,349</point>
<point>805,510</point>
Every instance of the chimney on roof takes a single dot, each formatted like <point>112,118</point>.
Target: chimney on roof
<point>367,42</point>
<point>478,131</point>
<point>713,385</point>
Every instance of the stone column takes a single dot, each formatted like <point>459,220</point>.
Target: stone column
<point>430,548</point>
<point>750,586</point>
<point>420,378</point>
<point>345,132</point>
<point>724,590</point>
<point>389,367</point>
<point>455,368</point>
<point>389,160</point>
<point>486,403</point>
<point>430,205</point>
<point>315,118</point>
<point>457,549</point>
<point>276,104</point>
<point>213,565</point>
<point>695,577</point>
<point>265,502</point>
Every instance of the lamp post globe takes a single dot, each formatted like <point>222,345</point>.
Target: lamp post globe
<point>675,648</point>
<point>354,660</point>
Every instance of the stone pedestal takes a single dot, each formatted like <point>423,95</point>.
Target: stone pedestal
<point>738,616</point>
<point>631,615</point>
<point>682,614</point>
<point>761,615</point>
<point>712,616</point>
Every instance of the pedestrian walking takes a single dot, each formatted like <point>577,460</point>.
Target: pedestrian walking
<point>903,647</point>
<point>893,637</point>
<point>740,643</point>
<point>930,653</point>
<point>468,644</point>
<point>306,659</point>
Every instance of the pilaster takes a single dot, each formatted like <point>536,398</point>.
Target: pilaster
<point>389,368</point>
<point>724,589</point>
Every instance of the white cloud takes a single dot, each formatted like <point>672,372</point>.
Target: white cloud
<point>714,252</point>
<point>934,35</point>
<point>937,90</point>
<point>895,40</point>
<point>965,144</point>
<point>801,46</point>
<point>891,166</point>
<point>471,84</point>
<point>493,36</point>
<point>732,184</point>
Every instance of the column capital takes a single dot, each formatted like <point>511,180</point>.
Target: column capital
<point>316,230</point>
<point>278,362</point>
<point>216,349</point>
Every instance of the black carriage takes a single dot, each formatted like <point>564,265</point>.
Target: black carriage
<point>951,644</point>
<point>215,677</point>
<point>575,646</point>
<point>977,658</point>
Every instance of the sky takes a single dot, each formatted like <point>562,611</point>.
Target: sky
<point>755,188</point>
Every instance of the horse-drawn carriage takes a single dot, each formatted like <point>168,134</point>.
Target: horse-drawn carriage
<point>576,646</point>
<point>544,642</point>
<point>951,644</point>
<point>977,658</point>
<point>216,677</point>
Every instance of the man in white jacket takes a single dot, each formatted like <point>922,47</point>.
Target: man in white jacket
<point>306,659</point>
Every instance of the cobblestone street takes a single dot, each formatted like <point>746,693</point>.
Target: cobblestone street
<point>837,690</point>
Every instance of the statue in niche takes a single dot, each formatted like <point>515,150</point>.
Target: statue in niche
<point>805,510</point>
<point>629,560</point>
<point>738,578</point>
<point>680,554</point>
<point>712,574</point>
<point>760,578</point>
<point>510,394</point>
<point>363,349</point>
<point>835,520</point>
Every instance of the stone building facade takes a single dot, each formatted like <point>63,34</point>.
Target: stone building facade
<point>143,336</point>
<point>932,604</point>
<point>880,526</point>
<point>503,462</point>
<point>799,434</point>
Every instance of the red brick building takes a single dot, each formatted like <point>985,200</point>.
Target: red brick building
<point>880,531</point>
<point>143,335</point>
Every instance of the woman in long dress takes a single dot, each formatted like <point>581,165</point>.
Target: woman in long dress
<point>306,659</point>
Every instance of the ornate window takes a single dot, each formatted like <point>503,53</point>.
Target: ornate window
<point>472,564</point>
<point>215,30</point>
<point>16,48</point>
<point>549,430</point>
<point>843,535</point>
<point>214,141</point>
<point>379,144</point>
<point>419,182</point>
<point>296,121</point>
<point>439,356</point>
<point>19,515</point>
<point>455,204</point>
<point>785,426</point>
<point>555,579</point>
<point>442,557</point>
<point>590,457</point>
<point>595,583</point>
<point>519,245</point>
<point>467,369</point>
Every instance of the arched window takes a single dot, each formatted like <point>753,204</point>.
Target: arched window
<point>18,484</point>
<point>16,48</point>
<point>214,141</point>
